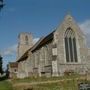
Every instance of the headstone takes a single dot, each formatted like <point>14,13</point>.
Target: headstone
<point>84,86</point>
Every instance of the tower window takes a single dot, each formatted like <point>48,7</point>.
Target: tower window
<point>26,40</point>
<point>70,46</point>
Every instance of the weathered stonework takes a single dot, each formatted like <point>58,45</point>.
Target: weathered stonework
<point>24,43</point>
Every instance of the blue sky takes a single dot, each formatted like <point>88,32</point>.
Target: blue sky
<point>39,17</point>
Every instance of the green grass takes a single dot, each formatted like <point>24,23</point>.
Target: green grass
<point>5,85</point>
<point>50,86</point>
<point>39,79</point>
<point>65,85</point>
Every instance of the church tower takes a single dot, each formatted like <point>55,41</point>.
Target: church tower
<point>25,42</point>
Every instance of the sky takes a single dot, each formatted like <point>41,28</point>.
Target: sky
<point>39,17</point>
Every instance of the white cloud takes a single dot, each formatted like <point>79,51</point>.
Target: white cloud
<point>35,40</point>
<point>9,51</point>
<point>85,26</point>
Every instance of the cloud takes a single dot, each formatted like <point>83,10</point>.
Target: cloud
<point>35,40</point>
<point>85,26</point>
<point>10,50</point>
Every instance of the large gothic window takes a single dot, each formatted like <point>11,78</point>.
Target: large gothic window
<point>70,46</point>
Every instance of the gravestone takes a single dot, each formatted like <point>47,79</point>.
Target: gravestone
<point>84,86</point>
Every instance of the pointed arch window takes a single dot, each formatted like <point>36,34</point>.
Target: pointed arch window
<point>70,46</point>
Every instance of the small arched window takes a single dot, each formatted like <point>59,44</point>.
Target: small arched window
<point>70,46</point>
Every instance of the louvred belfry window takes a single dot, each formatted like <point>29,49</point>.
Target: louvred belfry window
<point>70,46</point>
<point>26,40</point>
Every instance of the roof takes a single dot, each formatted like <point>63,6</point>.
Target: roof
<point>39,44</point>
<point>44,41</point>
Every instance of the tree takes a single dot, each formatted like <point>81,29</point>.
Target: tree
<point>1,62</point>
<point>7,72</point>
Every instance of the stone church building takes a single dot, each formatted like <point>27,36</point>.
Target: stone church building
<point>63,50</point>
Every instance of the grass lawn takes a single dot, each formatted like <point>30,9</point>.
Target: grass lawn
<point>5,85</point>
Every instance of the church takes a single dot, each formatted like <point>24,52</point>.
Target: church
<point>63,50</point>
